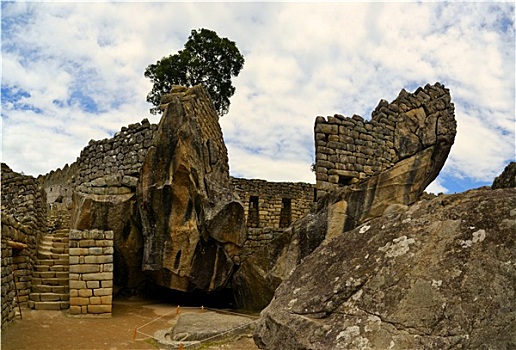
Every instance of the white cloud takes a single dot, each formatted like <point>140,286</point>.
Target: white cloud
<point>302,60</point>
<point>436,187</point>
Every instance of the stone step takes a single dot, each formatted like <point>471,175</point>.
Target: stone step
<point>41,268</point>
<point>48,239</point>
<point>59,244</point>
<point>49,296</point>
<point>44,245</point>
<point>50,274</point>
<point>53,262</point>
<point>49,305</point>
<point>53,250</point>
<point>59,250</point>
<point>60,268</point>
<point>50,281</point>
<point>50,289</point>
<point>44,255</point>
<point>62,231</point>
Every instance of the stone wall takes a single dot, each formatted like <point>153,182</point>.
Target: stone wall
<point>17,265</point>
<point>273,204</point>
<point>351,149</point>
<point>24,200</point>
<point>119,156</point>
<point>23,222</point>
<point>91,272</point>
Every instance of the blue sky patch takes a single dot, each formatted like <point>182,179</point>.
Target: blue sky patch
<point>84,101</point>
<point>457,185</point>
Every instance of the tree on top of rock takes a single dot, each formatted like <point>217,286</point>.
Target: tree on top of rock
<point>206,59</point>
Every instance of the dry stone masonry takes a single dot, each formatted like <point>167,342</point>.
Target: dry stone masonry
<point>91,272</point>
<point>24,199</point>
<point>120,157</point>
<point>156,202</point>
<point>349,150</point>
<point>273,204</point>
<point>23,222</point>
<point>16,266</point>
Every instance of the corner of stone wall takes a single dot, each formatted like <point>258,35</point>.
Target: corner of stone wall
<point>91,273</point>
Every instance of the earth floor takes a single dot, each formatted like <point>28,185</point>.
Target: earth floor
<point>131,326</point>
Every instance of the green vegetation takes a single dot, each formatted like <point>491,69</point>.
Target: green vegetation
<point>206,59</point>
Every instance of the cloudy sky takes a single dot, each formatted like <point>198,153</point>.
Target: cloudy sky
<point>73,71</point>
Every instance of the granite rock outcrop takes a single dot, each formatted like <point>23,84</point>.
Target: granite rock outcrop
<point>423,131</point>
<point>192,224</point>
<point>439,274</point>
<point>109,203</point>
<point>507,179</point>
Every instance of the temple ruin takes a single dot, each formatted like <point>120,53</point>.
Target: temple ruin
<point>73,236</point>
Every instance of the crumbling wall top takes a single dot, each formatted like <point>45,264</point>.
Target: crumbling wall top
<point>349,150</point>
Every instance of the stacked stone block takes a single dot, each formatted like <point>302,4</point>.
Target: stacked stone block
<point>349,150</point>
<point>120,156</point>
<point>271,196</point>
<point>24,200</point>
<point>49,289</point>
<point>91,272</point>
<point>258,238</point>
<point>17,266</point>
<point>23,219</point>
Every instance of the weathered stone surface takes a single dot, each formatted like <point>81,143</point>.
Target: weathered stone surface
<point>194,327</point>
<point>398,130</point>
<point>252,283</point>
<point>199,326</point>
<point>339,211</point>
<point>422,145</point>
<point>439,274</point>
<point>190,220</point>
<point>507,179</point>
<point>117,213</point>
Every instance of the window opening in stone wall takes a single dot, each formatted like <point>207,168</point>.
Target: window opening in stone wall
<point>177,260</point>
<point>286,212</point>
<point>345,180</point>
<point>253,213</point>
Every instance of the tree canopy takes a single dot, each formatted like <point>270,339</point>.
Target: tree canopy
<point>206,59</point>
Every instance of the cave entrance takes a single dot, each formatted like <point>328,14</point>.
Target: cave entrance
<point>221,299</point>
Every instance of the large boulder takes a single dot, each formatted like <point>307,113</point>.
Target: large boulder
<point>439,274</point>
<point>423,138</point>
<point>192,225</point>
<point>109,203</point>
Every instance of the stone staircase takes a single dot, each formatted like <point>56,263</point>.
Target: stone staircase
<point>50,279</point>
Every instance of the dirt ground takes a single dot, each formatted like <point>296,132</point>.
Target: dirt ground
<point>132,326</point>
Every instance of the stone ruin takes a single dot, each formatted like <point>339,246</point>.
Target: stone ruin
<point>180,221</point>
<point>349,150</point>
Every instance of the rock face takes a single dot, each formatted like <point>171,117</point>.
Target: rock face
<point>420,138</point>
<point>507,179</point>
<point>109,203</point>
<point>192,226</point>
<point>439,274</point>
<point>349,150</point>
